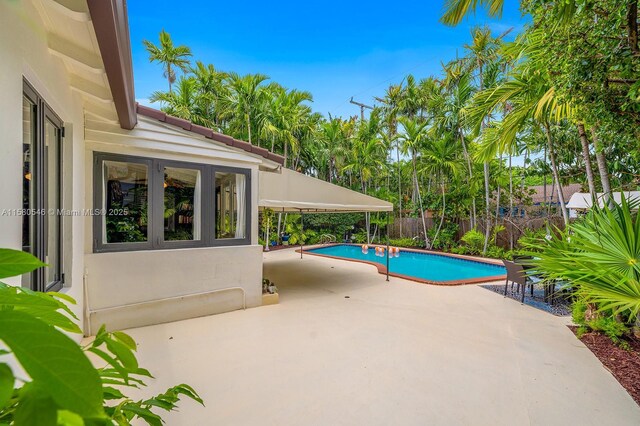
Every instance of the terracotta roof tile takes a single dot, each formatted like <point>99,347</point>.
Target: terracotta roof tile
<point>179,122</point>
<point>201,130</point>
<point>207,133</point>
<point>242,145</point>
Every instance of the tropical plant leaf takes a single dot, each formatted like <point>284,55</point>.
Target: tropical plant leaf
<point>54,361</point>
<point>144,413</point>
<point>6,384</point>
<point>36,407</point>
<point>68,418</point>
<point>39,305</point>
<point>17,262</point>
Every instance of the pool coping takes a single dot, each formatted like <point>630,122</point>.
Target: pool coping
<point>383,270</point>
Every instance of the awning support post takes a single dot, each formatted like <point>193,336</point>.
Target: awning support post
<point>301,231</point>
<point>387,246</point>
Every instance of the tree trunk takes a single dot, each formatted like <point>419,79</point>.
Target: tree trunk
<point>435,237</point>
<point>424,222</point>
<point>467,157</point>
<point>279,224</point>
<point>510,200</point>
<point>367,217</point>
<point>602,167</point>
<point>545,178</point>
<point>399,185</point>
<point>498,192</point>
<point>556,177</point>
<point>286,153</point>
<point>587,159</point>
<point>487,199</point>
<point>632,25</point>
<point>249,126</point>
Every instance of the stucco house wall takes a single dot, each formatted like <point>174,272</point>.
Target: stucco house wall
<point>25,53</point>
<point>136,288</point>
<point>57,51</point>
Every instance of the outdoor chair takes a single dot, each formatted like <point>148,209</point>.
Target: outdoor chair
<point>516,274</point>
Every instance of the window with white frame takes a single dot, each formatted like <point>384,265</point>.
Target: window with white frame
<point>147,204</point>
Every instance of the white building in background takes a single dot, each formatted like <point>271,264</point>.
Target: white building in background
<point>148,218</point>
<point>580,202</point>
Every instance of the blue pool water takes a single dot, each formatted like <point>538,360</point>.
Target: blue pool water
<point>427,266</point>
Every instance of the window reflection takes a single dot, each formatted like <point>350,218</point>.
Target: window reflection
<point>28,143</point>
<point>182,189</point>
<point>52,154</point>
<point>126,191</point>
<point>230,205</point>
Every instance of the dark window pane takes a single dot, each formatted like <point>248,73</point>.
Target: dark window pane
<point>125,201</point>
<point>230,205</point>
<point>182,204</point>
<point>28,144</point>
<point>52,202</point>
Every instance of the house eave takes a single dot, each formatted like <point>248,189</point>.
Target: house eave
<point>111,26</point>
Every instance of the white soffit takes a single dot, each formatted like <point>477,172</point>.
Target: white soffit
<point>71,37</point>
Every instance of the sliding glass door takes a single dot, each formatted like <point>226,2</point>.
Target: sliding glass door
<point>42,191</point>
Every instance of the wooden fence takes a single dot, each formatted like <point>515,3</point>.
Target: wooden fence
<point>514,227</point>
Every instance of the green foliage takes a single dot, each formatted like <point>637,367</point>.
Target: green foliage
<point>297,234</point>
<point>15,262</point>
<point>532,240</point>
<point>600,256</point>
<point>603,321</point>
<point>67,389</point>
<point>446,237</point>
<point>404,242</point>
<point>336,223</point>
<point>474,240</point>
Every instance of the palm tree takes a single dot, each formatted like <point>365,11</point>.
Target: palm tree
<point>210,84</point>
<point>458,92</point>
<point>369,155</point>
<point>482,53</point>
<point>441,159</point>
<point>456,10</point>
<point>169,56</point>
<point>245,97</point>
<point>186,102</point>
<point>391,109</point>
<point>531,98</point>
<point>413,139</point>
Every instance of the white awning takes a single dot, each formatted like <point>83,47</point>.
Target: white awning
<point>290,191</point>
<point>582,200</point>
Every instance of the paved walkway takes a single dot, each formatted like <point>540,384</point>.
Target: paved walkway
<point>397,353</point>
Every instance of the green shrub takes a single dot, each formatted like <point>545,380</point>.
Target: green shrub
<point>603,321</point>
<point>70,391</point>
<point>474,240</point>
<point>497,252</point>
<point>599,257</point>
<point>360,237</point>
<point>403,242</point>
<point>611,327</point>
<point>446,237</point>
<point>459,250</point>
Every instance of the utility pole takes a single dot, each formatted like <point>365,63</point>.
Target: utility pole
<point>362,107</point>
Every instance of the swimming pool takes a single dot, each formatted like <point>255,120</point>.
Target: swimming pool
<point>419,266</point>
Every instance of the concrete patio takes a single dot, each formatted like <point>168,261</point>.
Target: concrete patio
<point>397,353</point>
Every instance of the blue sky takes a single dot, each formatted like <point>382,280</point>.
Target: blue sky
<point>332,49</point>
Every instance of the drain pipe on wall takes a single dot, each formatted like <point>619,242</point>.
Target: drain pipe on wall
<point>301,231</point>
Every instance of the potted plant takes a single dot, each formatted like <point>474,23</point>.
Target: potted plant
<point>269,293</point>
